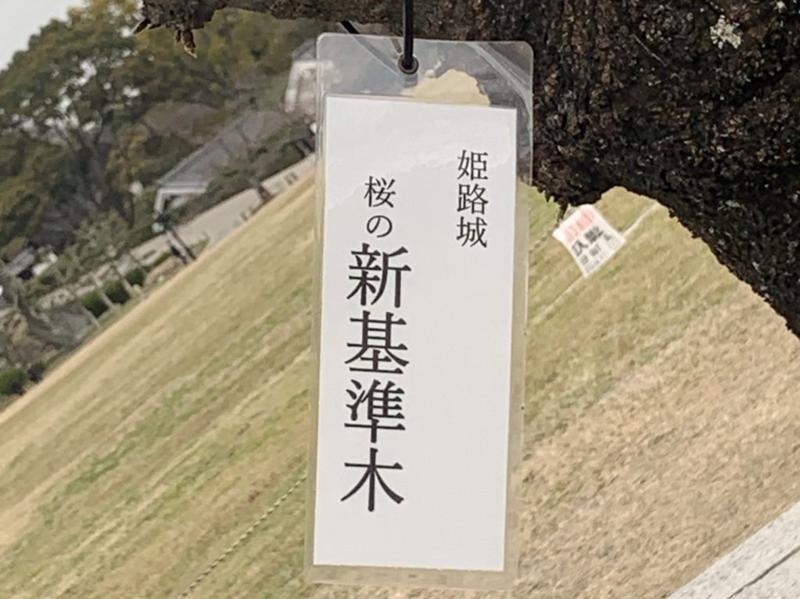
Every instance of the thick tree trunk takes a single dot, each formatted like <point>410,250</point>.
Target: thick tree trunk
<point>693,103</point>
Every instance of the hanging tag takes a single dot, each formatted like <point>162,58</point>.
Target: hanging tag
<point>420,312</point>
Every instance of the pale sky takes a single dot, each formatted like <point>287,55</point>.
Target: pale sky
<point>22,18</point>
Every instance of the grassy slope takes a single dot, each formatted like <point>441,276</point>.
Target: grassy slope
<point>661,425</point>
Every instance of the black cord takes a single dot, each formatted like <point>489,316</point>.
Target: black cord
<point>408,64</point>
<point>349,27</point>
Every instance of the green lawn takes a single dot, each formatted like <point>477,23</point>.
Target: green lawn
<point>145,455</point>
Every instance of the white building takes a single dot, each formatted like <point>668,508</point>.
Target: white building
<point>192,175</point>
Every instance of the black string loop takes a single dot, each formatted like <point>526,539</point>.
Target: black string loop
<point>349,27</point>
<point>408,63</point>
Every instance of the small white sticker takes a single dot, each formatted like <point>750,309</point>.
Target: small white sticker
<point>589,238</point>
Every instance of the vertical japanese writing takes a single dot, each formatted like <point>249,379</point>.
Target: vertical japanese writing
<point>472,200</point>
<point>377,357</point>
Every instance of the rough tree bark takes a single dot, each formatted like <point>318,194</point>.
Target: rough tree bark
<point>695,103</point>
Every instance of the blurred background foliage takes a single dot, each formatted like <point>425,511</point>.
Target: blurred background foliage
<point>90,112</point>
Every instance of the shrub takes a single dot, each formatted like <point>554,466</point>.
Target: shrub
<point>12,381</point>
<point>36,371</point>
<point>115,291</point>
<point>136,277</point>
<point>48,279</point>
<point>161,259</point>
<point>94,303</point>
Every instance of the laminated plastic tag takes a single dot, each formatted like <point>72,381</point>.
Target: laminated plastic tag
<point>420,312</point>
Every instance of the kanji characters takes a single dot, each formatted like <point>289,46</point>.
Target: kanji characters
<point>472,232</point>
<point>473,167</point>
<point>381,402</point>
<point>377,276</point>
<point>373,271</point>
<point>379,192</point>
<point>376,350</point>
<point>370,477</point>
<point>470,197</point>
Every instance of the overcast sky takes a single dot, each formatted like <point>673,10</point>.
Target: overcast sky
<point>22,18</point>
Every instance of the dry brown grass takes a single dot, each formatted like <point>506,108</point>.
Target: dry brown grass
<point>662,426</point>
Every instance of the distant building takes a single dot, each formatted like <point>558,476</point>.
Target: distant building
<point>192,176</point>
<point>21,265</point>
<point>301,89</point>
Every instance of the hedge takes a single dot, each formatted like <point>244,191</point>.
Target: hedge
<point>115,291</point>
<point>136,277</point>
<point>12,381</point>
<point>94,303</point>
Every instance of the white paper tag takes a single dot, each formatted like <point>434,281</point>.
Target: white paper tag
<point>415,347</point>
<point>590,239</point>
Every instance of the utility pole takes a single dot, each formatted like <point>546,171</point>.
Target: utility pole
<point>166,221</point>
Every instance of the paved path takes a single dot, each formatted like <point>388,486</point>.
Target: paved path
<point>212,225</point>
<point>765,566</point>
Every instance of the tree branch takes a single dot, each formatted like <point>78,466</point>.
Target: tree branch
<point>694,104</point>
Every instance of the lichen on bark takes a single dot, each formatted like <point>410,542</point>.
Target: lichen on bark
<point>695,104</point>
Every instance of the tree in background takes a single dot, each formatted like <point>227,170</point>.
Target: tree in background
<point>66,95</point>
<point>78,111</point>
<point>88,109</point>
